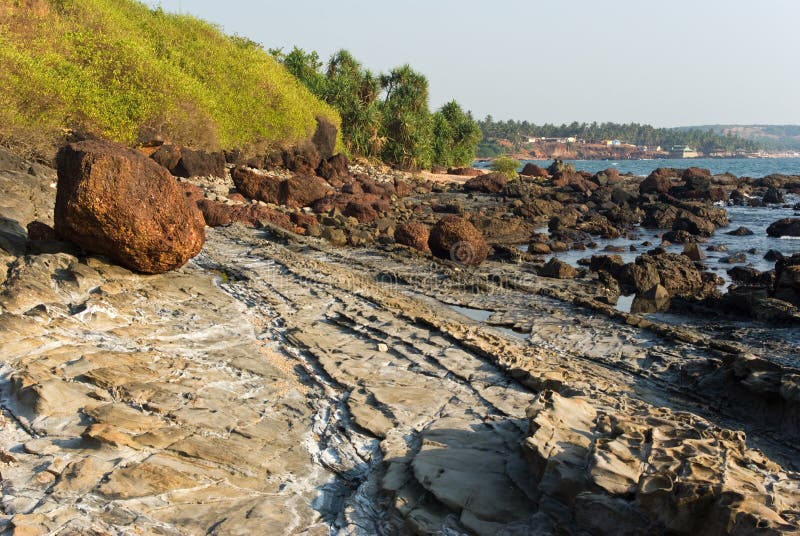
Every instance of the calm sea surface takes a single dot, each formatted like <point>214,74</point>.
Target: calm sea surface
<point>741,167</point>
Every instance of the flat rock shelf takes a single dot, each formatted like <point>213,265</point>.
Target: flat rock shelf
<point>278,384</point>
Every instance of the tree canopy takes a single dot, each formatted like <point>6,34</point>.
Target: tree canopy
<point>387,115</point>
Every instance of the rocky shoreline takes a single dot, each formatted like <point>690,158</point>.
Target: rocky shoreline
<point>318,369</point>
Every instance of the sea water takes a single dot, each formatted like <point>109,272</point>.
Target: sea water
<point>741,167</point>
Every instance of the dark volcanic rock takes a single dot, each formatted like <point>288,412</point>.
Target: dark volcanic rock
<point>117,202</point>
<point>606,263</point>
<point>491,183</point>
<point>694,225</point>
<point>773,196</point>
<point>787,279</point>
<point>676,273</point>
<point>659,181</point>
<point>694,252</point>
<point>200,164</point>
<point>457,239</point>
<point>38,231</point>
<point>654,300</point>
<point>735,258</point>
<point>303,158</point>
<point>680,237</point>
<point>773,255</point>
<point>558,269</point>
<point>607,177</point>
<point>335,167</point>
<point>413,234</point>
<point>741,231</point>
<point>747,275</point>
<point>784,227</point>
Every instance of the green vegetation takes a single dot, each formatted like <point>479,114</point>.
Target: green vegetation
<point>505,165</point>
<point>117,69</point>
<point>386,116</point>
<point>704,140</point>
<point>771,137</point>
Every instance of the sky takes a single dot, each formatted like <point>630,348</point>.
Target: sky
<point>673,63</point>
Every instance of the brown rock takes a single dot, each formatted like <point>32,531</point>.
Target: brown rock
<point>116,202</point>
<point>558,269</point>
<point>694,252</point>
<point>491,183</point>
<point>413,234</point>
<point>200,164</point>
<point>167,156</point>
<point>191,193</point>
<point>217,214</point>
<point>606,263</point>
<point>303,190</point>
<point>303,158</point>
<point>40,231</point>
<point>361,211</point>
<point>532,170</point>
<point>255,185</point>
<point>659,181</point>
<point>457,239</point>
<point>335,167</point>
<point>539,248</point>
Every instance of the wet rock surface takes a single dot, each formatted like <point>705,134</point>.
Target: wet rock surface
<point>283,384</point>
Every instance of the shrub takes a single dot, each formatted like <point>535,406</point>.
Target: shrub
<point>506,165</point>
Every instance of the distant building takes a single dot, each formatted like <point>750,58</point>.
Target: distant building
<point>682,151</point>
<point>613,143</point>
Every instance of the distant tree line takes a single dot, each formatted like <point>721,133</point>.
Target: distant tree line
<point>517,133</point>
<point>386,116</point>
<point>771,137</point>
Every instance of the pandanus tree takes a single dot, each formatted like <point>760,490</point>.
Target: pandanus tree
<point>407,122</point>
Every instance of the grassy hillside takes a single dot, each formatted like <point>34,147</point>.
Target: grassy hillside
<point>118,69</point>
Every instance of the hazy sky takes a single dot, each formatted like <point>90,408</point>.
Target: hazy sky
<point>670,63</point>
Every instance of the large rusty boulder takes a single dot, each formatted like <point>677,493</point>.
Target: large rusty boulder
<point>114,201</point>
<point>457,239</point>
